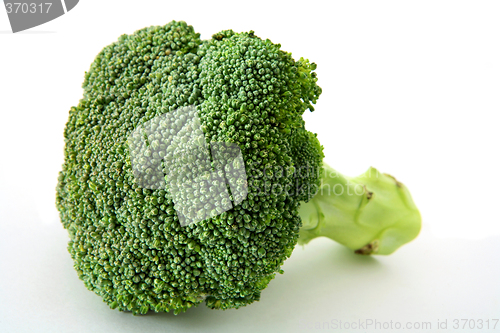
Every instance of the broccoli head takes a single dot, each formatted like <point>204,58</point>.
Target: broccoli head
<point>128,239</point>
<point>127,242</point>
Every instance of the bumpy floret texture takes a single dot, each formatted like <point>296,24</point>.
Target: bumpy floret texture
<point>126,241</point>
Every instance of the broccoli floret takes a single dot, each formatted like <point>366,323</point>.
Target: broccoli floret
<point>129,236</point>
<point>127,242</point>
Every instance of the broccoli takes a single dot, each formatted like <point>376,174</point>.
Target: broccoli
<point>128,240</point>
<point>371,214</point>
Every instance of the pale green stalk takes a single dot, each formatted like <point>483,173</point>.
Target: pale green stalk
<point>370,214</point>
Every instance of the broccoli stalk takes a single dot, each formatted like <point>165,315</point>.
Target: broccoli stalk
<point>371,214</point>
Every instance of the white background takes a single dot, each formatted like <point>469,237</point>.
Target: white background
<point>410,87</point>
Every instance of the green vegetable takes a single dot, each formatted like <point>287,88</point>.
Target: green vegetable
<point>371,214</point>
<point>127,242</point>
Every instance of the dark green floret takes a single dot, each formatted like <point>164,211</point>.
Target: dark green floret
<point>126,241</point>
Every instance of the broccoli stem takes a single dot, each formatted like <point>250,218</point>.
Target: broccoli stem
<point>371,214</point>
